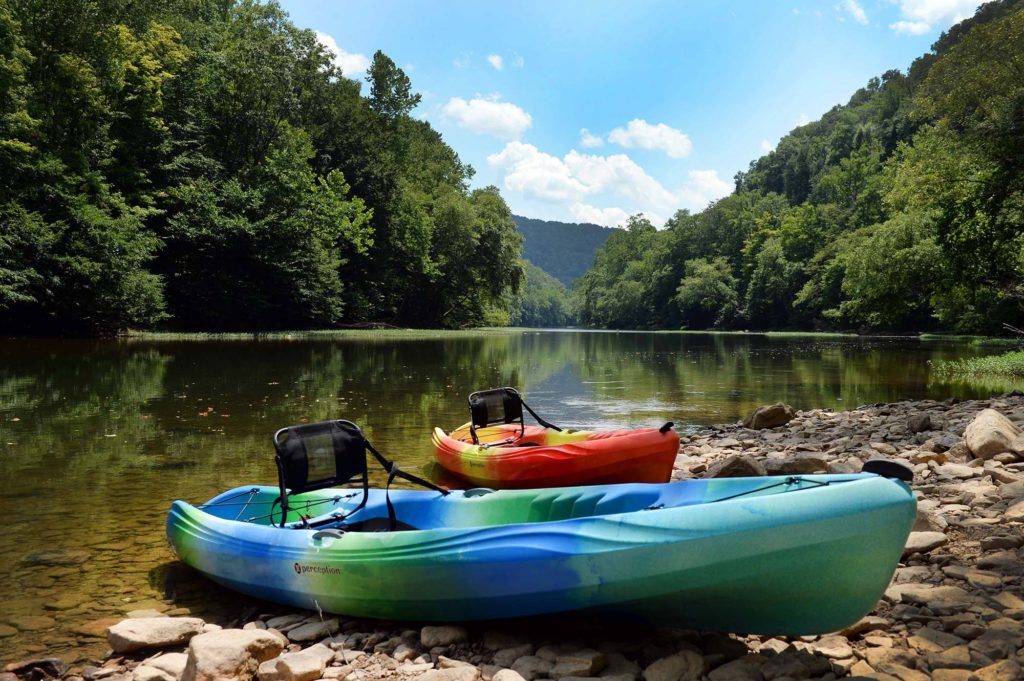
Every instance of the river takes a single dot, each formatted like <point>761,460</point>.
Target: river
<point>98,437</point>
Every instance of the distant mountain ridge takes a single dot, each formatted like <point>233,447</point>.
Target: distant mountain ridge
<point>565,250</point>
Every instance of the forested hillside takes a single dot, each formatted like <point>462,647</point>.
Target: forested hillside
<point>545,301</point>
<point>564,250</point>
<point>200,164</point>
<point>901,210</point>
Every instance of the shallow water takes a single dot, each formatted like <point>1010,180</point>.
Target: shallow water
<point>98,437</point>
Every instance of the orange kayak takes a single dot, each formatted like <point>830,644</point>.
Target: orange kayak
<point>543,457</point>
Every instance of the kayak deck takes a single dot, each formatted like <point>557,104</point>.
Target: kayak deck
<point>513,457</point>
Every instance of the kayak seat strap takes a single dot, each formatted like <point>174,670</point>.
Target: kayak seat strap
<point>395,472</point>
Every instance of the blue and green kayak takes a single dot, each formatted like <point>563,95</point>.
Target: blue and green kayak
<point>782,555</point>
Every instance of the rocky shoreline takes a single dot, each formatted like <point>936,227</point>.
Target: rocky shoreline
<point>954,611</point>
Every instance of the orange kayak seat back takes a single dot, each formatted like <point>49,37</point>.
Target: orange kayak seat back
<point>501,406</point>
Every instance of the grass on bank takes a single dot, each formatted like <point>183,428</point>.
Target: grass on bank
<point>1007,364</point>
<point>395,333</point>
<point>972,340</point>
<point>324,334</point>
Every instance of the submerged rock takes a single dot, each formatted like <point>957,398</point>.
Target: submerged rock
<point>48,667</point>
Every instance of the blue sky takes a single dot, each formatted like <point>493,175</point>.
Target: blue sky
<point>674,97</point>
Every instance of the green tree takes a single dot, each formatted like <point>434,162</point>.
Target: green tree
<point>890,276</point>
<point>391,92</point>
<point>707,294</point>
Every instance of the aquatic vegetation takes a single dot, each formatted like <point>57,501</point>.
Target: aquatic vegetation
<point>1007,364</point>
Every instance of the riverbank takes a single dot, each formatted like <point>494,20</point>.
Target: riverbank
<point>391,332</point>
<point>954,610</point>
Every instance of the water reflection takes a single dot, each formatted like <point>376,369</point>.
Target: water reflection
<point>99,437</point>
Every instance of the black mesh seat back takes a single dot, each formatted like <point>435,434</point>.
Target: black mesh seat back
<point>319,455</point>
<point>491,407</point>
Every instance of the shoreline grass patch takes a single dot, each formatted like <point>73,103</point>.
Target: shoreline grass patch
<point>1007,364</point>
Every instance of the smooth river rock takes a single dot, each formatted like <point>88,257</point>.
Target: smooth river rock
<point>311,631</point>
<point>736,466</point>
<point>990,433</point>
<point>152,632</point>
<point>442,636</point>
<point>770,416</point>
<point>304,665</point>
<point>923,542</point>
<point>685,665</point>
<point>229,655</point>
<point>167,667</point>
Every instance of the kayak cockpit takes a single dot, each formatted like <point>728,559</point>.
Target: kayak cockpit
<point>425,510</point>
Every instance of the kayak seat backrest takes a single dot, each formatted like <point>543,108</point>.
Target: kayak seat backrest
<point>493,407</point>
<point>320,455</point>
<point>500,406</point>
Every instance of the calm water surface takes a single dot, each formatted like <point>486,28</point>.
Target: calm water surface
<point>97,438</point>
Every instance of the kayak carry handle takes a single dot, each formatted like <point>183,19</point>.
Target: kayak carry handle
<point>665,428</point>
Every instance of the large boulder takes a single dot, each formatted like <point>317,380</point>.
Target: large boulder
<point>152,632</point>
<point>229,654</point>
<point>990,433</point>
<point>736,466</point>
<point>770,416</point>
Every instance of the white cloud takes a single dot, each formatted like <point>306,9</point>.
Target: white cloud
<point>619,174</point>
<point>640,134</point>
<point>703,187</point>
<point>590,140</point>
<point>536,174</point>
<point>852,8</point>
<point>910,27</point>
<point>607,217</point>
<point>572,178</point>
<point>462,61</point>
<point>488,116</point>
<point>518,61</point>
<point>350,63</point>
<point>921,16</point>
<point>767,147</point>
<point>549,178</point>
<point>802,120</point>
<point>496,61</point>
